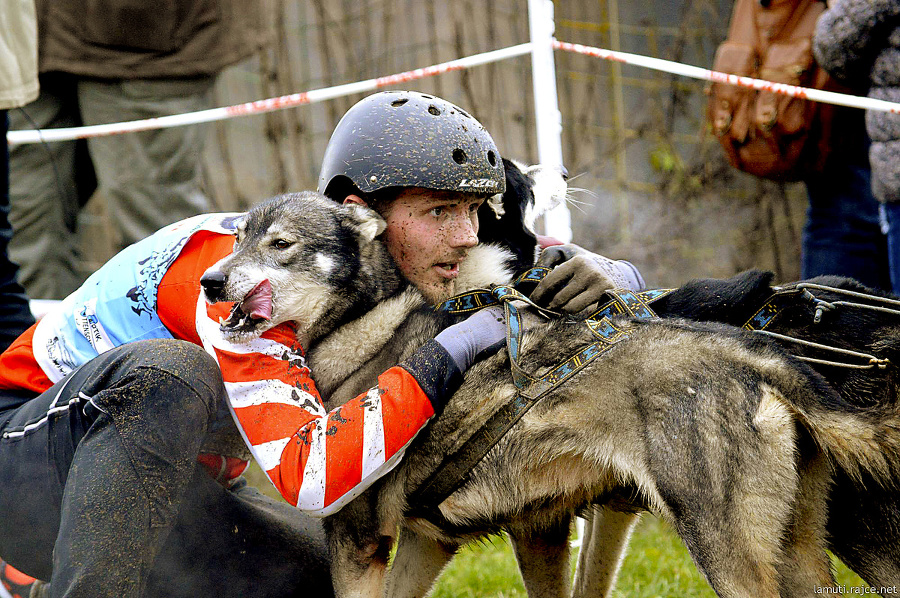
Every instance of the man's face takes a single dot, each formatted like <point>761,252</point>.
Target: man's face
<point>429,234</point>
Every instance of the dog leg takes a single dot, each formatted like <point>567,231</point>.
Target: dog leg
<point>543,558</point>
<point>359,551</point>
<point>418,562</point>
<point>606,536</point>
<point>734,520</point>
<point>864,525</point>
<point>806,566</point>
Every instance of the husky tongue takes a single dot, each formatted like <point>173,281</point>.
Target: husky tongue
<point>258,302</point>
<point>545,241</point>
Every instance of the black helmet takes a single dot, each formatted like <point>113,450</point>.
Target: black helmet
<point>409,139</point>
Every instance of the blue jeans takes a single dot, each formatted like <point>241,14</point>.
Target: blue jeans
<point>843,235</point>
<point>890,219</point>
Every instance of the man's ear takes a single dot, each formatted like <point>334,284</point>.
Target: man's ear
<point>356,199</point>
<point>366,221</point>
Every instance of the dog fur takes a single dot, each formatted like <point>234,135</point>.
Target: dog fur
<point>672,432</point>
<point>716,431</point>
<point>864,520</point>
<point>508,220</point>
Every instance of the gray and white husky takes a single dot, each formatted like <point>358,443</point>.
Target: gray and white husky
<point>720,433</point>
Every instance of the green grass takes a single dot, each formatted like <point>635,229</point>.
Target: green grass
<point>656,566</point>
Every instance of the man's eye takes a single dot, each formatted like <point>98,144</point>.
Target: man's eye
<point>281,244</point>
<point>438,211</point>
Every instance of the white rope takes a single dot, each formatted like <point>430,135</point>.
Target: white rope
<point>328,93</point>
<point>262,106</point>
<point>676,68</point>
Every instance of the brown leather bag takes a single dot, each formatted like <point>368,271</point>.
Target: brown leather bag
<point>772,135</point>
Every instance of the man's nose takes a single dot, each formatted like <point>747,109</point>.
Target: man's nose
<point>464,233</point>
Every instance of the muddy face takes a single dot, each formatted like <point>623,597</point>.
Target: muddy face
<point>429,233</point>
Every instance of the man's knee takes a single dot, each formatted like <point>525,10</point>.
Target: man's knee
<point>155,372</point>
<point>184,360</point>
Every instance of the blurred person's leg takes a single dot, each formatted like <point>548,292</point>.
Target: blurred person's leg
<point>152,178</point>
<point>890,217</point>
<point>843,234</point>
<point>15,315</point>
<point>46,192</point>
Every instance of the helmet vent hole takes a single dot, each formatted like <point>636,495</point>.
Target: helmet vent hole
<point>492,158</point>
<point>433,110</point>
<point>459,156</point>
<point>398,103</point>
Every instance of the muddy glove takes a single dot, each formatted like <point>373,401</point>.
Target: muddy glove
<point>579,278</point>
<point>479,335</point>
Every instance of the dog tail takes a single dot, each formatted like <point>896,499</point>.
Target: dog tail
<point>858,439</point>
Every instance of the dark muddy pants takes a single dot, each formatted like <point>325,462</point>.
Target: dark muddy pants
<point>100,492</point>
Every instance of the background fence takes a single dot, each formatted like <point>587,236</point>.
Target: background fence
<point>656,187</point>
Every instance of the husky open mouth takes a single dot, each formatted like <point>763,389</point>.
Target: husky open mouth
<point>254,309</point>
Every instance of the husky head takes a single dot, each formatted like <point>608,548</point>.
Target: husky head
<point>508,219</point>
<point>295,258</point>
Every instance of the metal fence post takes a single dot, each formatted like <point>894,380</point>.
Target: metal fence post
<point>548,120</point>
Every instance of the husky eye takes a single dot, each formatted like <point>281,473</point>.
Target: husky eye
<point>281,244</point>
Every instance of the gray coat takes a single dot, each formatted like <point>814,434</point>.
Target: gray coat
<point>858,42</point>
<point>18,53</point>
<point>150,39</point>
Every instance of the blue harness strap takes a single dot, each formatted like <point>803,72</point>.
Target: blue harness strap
<point>454,470</point>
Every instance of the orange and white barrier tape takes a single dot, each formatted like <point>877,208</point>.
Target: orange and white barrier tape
<point>676,68</point>
<point>328,93</point>
<point>262,106</point>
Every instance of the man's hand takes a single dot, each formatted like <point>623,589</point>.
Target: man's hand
<point>478,336</point>
<point>579,278</point>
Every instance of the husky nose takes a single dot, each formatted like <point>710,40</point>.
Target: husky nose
<point>563,171</point>
<point>213,284</point>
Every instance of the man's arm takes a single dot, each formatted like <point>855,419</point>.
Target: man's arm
<point>319,460</point>
<point>848,35</point>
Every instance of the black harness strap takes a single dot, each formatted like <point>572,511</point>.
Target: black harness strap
<point>472,301</point>
<point>774,306</point>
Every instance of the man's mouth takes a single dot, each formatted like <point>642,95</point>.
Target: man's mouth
<point>255,307</point>
<point>447,269</point>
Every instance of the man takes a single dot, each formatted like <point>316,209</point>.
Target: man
<point>18,86</point>
<point>100,431</point>
<point>412,179</point>
<point>107,61</point>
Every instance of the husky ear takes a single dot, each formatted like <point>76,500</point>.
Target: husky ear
<point>495,203</point>
<point>367,222</point>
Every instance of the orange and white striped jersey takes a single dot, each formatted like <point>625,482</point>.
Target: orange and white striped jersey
<point>318,460</point>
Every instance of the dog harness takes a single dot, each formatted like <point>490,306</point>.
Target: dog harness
<point>454,470</point>
<point>785,297</point>
<point>318,460</point>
